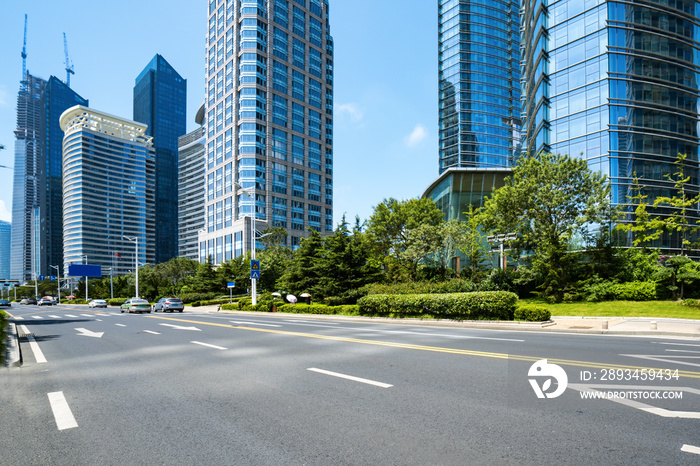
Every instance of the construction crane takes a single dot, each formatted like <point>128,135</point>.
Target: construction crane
<point>24,51</point>
<point>69,65</point>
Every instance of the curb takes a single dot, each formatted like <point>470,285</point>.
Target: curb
<point>14,352</point>
<point>547,326</point>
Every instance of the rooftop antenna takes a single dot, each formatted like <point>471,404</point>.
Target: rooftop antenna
<point>69,65</point>
<point>24,51</point>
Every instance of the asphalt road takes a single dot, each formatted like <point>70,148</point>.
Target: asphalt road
<point>101,387</point>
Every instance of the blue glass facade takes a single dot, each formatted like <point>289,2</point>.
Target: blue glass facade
<point>5,233</point>
<point>479,73</point>
<point>617,84</point>
<point>160,101</point>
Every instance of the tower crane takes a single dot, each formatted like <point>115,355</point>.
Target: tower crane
<point>24,51</point>
<point>69,65</point>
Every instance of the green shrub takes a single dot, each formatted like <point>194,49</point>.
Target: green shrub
<point>691,303</point>
<point>188,298</point>
<point>598,291</point>
<point>478,305</point>
<point>532,313</point>
<point>116,301</point>
<point>211,302</point>
<point>634,291</point>
<point>195,304</point>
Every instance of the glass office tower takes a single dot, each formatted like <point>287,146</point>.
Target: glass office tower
<point>479,85</point>
<point>479,73</point>
<point>191,189</point>
<point>617,84</point>
<point>108,179</point>
<point>269,122</point>
<point>37,242</point>
<point>160,101</point>
<point>5,233</point>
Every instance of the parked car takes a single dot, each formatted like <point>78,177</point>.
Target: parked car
<point>136,305</point>
<point>45,301</point>
<point>31,301</point>
<point>97,303</point>
<point>5,303</point>
<point>169,304</point>
<point>23,301</point>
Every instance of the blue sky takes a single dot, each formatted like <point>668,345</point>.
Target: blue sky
<point>386,138</point>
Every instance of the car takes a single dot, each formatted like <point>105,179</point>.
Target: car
<point>169,304</point>
<point>45,301</point>
<point>97,303</point>
<point>31,301</point>
<point>136,305</point>
<point>23,301</point>
<point>5,303</point>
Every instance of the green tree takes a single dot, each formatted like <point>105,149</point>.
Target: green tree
<point>303,273</point>
<point>680,203</point>
<point>207,278</point>
<point>389,228</point>
<point>644,229</point>
<point>548,200</point>
<point>473,241</point>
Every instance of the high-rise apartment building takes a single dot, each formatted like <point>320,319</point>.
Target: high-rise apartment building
<point>108,196</point>
<point>191,189</point>
<point>37,204</point>
<point>479,101</point>
<point>617,84</point>
<point>160,101</point>
<point>269,122</point>
<point>5,234</point>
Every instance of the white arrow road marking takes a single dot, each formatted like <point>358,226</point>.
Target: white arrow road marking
<point>208,345</point>
<point>87,333</point>
<point>120,325</point>
<point>179,327</point>
<point>38,354</point>
<point>691,449</point>
<point>61,411</point>
<point>151,332</point>
<point>350,377</point>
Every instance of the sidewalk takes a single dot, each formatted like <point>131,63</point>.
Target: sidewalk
<point>641,326</point>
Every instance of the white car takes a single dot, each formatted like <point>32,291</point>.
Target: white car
<point>97,303</point>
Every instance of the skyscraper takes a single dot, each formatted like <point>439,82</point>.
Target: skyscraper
<point>5,233</point>
<point>160,101</point>
<point>269,122</point>
<point>617,84</point>
<point>108,179</point>
<point>37,178</point>
<point>191,189</point>
<point>479,101</point>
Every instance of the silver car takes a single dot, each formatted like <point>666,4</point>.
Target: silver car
<point>169,304</point>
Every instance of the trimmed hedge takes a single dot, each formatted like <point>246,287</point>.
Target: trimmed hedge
<point>348,309</point>
<point>629,291</point>
<point>532,313</point>
<point>457,285</point>
<point>483,305</point>
<point>3,336</point>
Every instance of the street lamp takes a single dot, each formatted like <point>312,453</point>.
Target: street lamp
<point>58,278</point>
<point>135,240</point>
<point>253,281</point>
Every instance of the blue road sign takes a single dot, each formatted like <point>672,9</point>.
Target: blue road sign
<point>231,284</point>
<point>42,278</point>
<point>84,270</point>
<point>52,278</point>
<point>255,270</point>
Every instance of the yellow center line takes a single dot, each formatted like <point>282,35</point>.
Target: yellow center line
<point>485,354</point>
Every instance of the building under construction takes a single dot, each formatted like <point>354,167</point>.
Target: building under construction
<point>37,202</point>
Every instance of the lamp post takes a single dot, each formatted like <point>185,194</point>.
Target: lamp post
<point>86,280</point>
<point>253,281</point>
<point>58,279</point>
<point>135,240</point>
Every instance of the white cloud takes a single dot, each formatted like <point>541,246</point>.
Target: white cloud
<point>352,110</point>
<point>5,214</point>
<point>417,136</point>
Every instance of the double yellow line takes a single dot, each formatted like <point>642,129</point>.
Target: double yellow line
<point>438,349</point>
